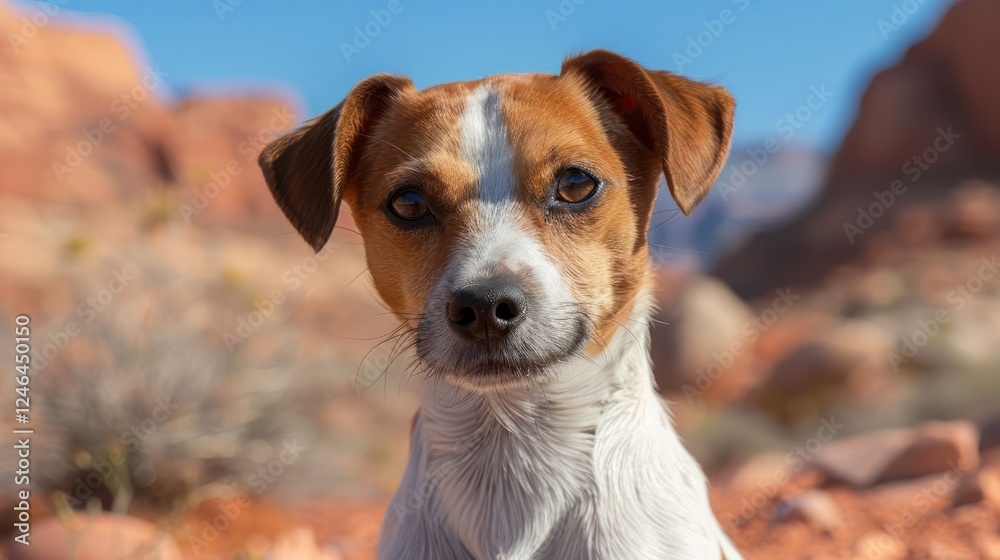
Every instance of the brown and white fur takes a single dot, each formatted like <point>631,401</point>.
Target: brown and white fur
<point>540,434</point>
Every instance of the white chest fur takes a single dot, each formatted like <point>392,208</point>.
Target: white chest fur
<point>586,466</point>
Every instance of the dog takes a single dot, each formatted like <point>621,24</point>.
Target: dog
<point>504,222</point>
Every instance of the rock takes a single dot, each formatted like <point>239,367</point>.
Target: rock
<point>845,357</point>
<point>981,486</point>
<point>814,507</point>
<point>808,377</point>
<point>793,330</point>
<point>97,537</point>
<point>810,368</point>
<point>859,459</point>
<point>916,225</point>
<point>300,544</point>
<point>879,545</point>
<point>989,435</point>
<point>878,289</point>
<point>941,82</point>
<point>935,447</point>
<point>939,550</point>
<point>989,546</point>
<point>923,104</point>
<point>758,471</point>
<point>78,132</point>
<point>219,139</point>
<point>895,454</point>
<point>971,213</point>
<point>703,323</point>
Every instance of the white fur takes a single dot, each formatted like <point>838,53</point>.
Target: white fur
<point>485,147</point>
<point>588,466</point>
<point>584,464</point>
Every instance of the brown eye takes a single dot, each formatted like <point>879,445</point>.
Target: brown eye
<point>409,205</point>
<point>574,185</point>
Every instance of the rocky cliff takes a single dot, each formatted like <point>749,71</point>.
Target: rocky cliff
<point>921,127</point>
<point>85,122</point>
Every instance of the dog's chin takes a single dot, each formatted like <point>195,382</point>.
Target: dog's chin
<point>503,368</point>
<point>490,376</point>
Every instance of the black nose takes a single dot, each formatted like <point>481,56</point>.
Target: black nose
<point>488,309</point>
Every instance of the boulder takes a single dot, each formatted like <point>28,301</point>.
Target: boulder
<point>696,333</point>
<point>896,454</point>
<point>981,486</point>
<point>813,507</point>
<point>826,364</point>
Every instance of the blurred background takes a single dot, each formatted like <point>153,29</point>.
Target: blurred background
<point>203,385</point>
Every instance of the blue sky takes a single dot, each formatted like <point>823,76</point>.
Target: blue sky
<point>770,54</point>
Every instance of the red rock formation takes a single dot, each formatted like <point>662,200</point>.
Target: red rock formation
<point>948,81</point>
<point>83,122</point>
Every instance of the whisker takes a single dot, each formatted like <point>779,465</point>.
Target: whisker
<point>348,229</point>
<point>680,249</point>
<point>365,358</point>
<point>358,276</point>
<point>672,216</point>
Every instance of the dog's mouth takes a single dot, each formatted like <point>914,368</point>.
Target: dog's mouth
<point>530,358</point>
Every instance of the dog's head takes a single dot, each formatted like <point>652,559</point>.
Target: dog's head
<point>505,219</point>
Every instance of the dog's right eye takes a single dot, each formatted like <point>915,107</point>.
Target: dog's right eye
<point>574,186</point>
<point>409,205</point>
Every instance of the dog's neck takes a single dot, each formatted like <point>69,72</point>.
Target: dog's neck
<point>505,467</point>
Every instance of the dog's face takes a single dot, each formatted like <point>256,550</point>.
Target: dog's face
<point>505,219</point>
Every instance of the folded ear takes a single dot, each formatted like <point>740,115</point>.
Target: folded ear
<point>687,125</point>
<point>308,168</point>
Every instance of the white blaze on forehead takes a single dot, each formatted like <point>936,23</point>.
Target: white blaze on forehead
<point>485,147</point>
<point>500,239</point>
<point>496,240</point>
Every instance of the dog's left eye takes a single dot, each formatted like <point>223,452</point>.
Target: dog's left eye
<point>574,185</point>
<point>409,205</point>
